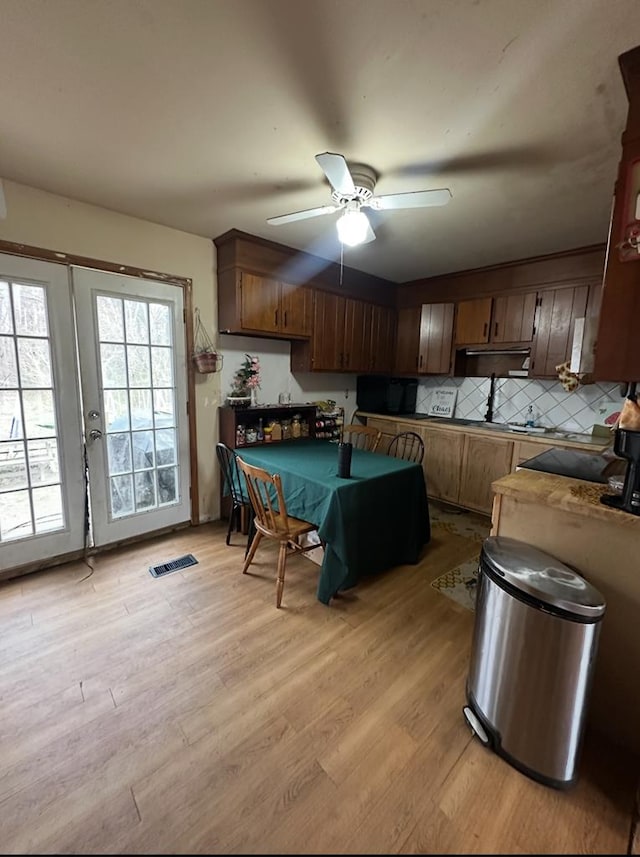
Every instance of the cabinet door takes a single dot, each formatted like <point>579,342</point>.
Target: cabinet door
<point>472,321</point>
<point>384,328</point>
<point>436,334</point>
<point>513,318</point>
<point>484,460</point>
<point>553,338</point>
<point>355,352</point>
<point>259,303</point>
<point>388,431</point>
<point>328,332</point>
<point>441,463</point>
<point>296,307</point>
<point>408,340</point>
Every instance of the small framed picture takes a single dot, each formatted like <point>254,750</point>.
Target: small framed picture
<point>443,402</point>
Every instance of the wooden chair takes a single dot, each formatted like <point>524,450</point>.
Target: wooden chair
<point>362,437</point>
<point>407,445</point>
<point>233,482</point>
<point>271,520</point>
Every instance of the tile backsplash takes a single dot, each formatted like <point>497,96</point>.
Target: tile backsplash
<point>553,407</point>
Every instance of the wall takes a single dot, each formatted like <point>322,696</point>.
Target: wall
<point>276,375</point>
<point>553,406</point>
<point>56,223</point>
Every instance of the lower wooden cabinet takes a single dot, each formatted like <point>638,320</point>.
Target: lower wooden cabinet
<point>388,430</point>
<point>484,460</point>
<point>442,457</point>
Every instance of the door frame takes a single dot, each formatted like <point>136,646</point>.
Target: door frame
<point>69,259</point>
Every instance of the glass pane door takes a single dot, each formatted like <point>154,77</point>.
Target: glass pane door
<point>134,391</point>
<point>41,465</point>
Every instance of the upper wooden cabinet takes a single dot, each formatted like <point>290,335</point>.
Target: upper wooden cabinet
<point>556,314</point>
<point>423,339</point>
<point>258,304</point>
<point>504,319</point>
<point>349,335</point>
<point>513,318</point>
<point>473,321</point>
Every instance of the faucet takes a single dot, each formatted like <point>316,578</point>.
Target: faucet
<point>492,391</point>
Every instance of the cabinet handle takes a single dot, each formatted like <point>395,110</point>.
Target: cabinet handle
<point>285,318</point>
<point>495,332</point>
<point>484,332</point>
<point>420,364</point>
<point>275,322</point>
<point>346,359</point>
<point>341,359</point>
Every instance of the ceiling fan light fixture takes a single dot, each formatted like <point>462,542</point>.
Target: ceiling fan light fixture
<point>352,226</point>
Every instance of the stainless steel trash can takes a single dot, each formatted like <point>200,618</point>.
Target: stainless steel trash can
<point>534,644</point>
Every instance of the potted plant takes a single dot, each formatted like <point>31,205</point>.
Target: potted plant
<point>205,356</point>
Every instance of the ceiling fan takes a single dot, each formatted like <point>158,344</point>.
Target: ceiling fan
<point>353,188</point>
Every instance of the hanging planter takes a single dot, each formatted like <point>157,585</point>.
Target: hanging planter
<point>205,356</point>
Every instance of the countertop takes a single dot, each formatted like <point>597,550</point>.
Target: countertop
<point>548,437</point>
<point>562,492</point>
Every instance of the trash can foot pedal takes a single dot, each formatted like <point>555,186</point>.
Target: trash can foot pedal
<point>475,724</point>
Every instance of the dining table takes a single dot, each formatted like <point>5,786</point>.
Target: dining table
<point>373,520</point>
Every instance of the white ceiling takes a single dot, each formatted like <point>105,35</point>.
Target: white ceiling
<point>206,115</point>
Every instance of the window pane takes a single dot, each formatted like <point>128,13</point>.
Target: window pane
<point>166,446</point>
<point>121,496</point>
<point>160,322</point>
<point>141,414</point>
<point>145,490</point>
<point>168,484</point>
<point>136,321</point>
<point>15,515</point>
<point>116,410</point>
<point>143,456</point>
<point>35,363</point>
<point>44,466</point>
<point>113,364</point>
<point>30,310</point>
<point>110,323</point>
<point>47,508</point>
<point>163,407</point>
<point>39,413</point>
<point>8,364</point>
<point>13,466</point>
<point>162,368</point>
<point>119,452</point>
<point>10,419</point>
<point>6,322</point>
<point>139,366</point>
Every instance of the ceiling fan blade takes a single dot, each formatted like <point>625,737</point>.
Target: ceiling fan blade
<point>336,170</point>
<point>412,199</point>
<point>302,215</point>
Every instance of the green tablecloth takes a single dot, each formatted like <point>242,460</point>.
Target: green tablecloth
<point>377,519</point>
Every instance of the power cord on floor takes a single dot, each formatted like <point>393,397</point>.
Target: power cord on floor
<point>85,553</point>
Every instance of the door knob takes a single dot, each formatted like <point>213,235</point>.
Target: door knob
<point>94,434</point>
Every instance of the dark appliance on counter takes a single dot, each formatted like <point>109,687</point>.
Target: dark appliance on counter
<point>380,394</point>
<point>626,444</point>
<point>575,464</point>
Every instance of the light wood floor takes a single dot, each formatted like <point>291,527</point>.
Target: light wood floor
<point>187,715</point>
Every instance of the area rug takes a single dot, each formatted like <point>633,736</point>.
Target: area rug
<point>460,582</point>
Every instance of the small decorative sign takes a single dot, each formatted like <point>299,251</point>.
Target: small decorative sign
<point>443,402</point>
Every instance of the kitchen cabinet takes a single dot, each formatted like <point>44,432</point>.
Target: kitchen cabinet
<point>381,337</point>
<point>505,319</point>
<point>484,460</point>
<point>556,313</point>
<point>513,318</point>
<point>388,430</point>
<point>255,304</point>
<point>473,321</point>
<point>344,337</point>
<point>442,456</point>
<point>523,450</point>
<point>424,337</point>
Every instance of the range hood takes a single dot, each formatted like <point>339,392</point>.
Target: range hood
<point>481,352</point>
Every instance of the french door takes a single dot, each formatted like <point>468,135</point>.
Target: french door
<point>94,444</point>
